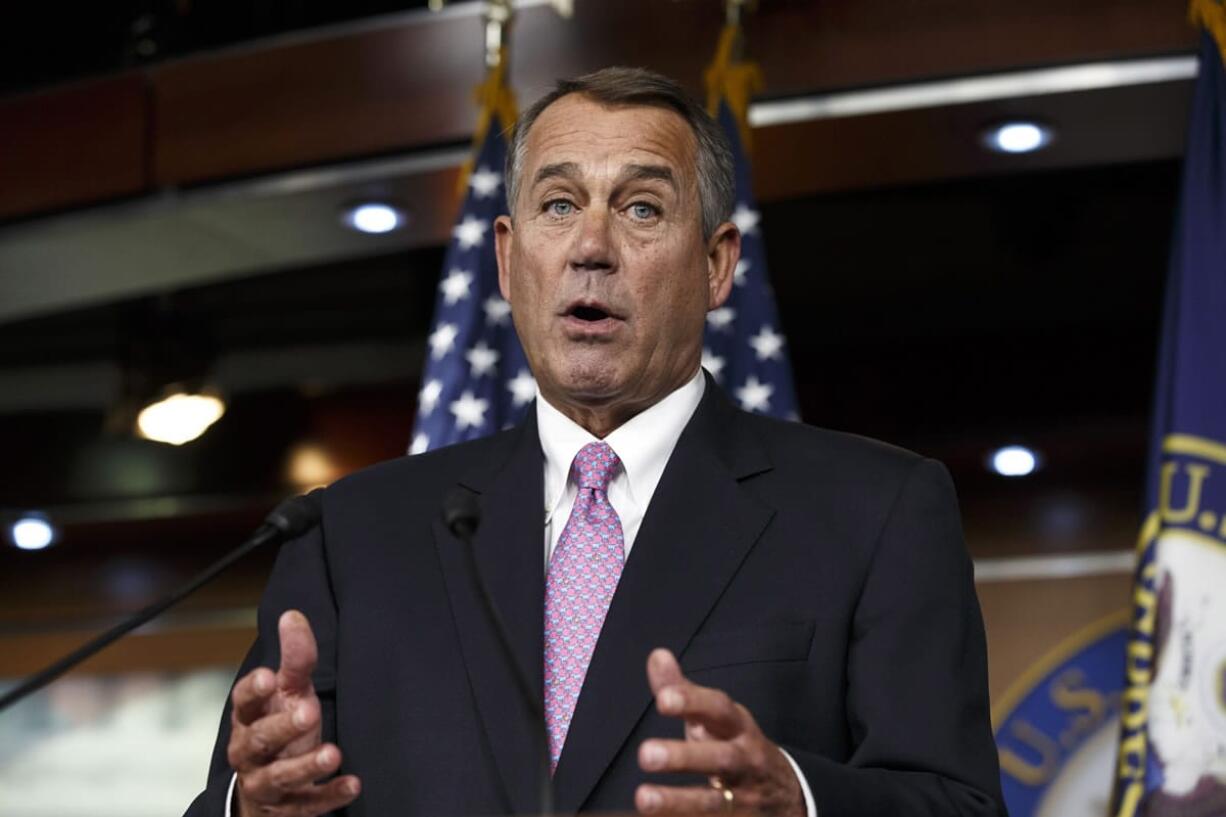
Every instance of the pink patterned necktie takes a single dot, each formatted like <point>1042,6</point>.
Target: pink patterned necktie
<point>583,574</point>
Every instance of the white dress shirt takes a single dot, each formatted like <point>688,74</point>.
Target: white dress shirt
<point>643,444</point>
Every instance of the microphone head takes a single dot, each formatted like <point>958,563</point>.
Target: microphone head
<point>296,515</point>
<point>461,514</point>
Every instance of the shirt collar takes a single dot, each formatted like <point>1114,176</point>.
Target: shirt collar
<point>643,443</point>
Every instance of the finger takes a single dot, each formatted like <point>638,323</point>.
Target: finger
<point>310,800</point>
<point>298,652</point>
<point>650,799</point>
<point>250,696</point>
<point>326,797</point>
<point>663,670</point>
<point>278,780</point>
<point>721,716</point>
<point>727,759</point>
<point>255,745</point>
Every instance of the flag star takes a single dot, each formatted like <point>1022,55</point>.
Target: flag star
<point>469,411</point>
<point>420,443</point>
<point>755,396</point>
<point>738,274</point>
<point>455,286</point>
<point>522,387</point>
<point>721,319</point>
<point>746,220</point>
<point>470,232</point>
<point>767,344</point>
<point>713,364</point>
<point>442,339</point>
<point>496,311</point>
<point>428,397</point>
<point>482,359</point>
<point>484,182</point>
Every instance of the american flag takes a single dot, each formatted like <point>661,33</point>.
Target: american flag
<point>743,347</point>
<point>476,378</point>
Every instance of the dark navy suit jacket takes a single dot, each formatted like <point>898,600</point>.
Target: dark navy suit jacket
<point>818,578</point>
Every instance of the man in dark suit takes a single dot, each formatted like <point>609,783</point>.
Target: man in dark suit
<point>722,610</point>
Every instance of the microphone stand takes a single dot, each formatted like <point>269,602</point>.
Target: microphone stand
<point>463,517</point>
<point>292,517</point>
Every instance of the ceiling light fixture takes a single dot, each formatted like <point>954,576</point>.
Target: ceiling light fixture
<point>375,217</point>
<point>1017,137</point>
<point>32,532</point>
<point>1013,461</point>
<point>179,418</point>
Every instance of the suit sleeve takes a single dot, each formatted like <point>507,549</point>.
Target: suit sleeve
<point>300,581</point>
<point>917,705</point>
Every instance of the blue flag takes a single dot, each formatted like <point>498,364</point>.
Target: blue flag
<point>743,347</point>
<point>476,379</point>
<point>1172,754</point>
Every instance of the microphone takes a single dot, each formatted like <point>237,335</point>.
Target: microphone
<point>293,517</point>
<point>462,516</point>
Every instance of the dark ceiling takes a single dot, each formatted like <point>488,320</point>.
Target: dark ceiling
<point>37,48</point>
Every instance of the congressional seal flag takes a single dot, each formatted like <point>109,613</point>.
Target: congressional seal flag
<point>476,378</point>
<point>743,346</point>
<point>1172,752</point>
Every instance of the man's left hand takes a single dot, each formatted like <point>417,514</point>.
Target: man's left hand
<point>723,741</point>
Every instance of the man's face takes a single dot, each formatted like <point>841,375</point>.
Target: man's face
<point>605,265</point>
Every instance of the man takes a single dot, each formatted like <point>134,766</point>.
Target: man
<point>797,604</point>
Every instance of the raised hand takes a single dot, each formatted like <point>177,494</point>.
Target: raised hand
<point>275,736</point>
<point>723,741</point>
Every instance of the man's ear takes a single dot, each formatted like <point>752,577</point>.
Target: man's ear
<point>504,237</point>
<point>723,253</point>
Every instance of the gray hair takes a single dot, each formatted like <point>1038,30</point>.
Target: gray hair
<point>619,87</point>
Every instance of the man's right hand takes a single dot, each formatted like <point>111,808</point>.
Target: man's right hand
<point>275,736</point>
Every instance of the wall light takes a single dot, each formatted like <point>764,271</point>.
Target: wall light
<point>33,532</point>
<point>179,418</point>
<point>1017,137</point>
<point>1013,461</point>
<point>311,466</point>
<point>374,217</point>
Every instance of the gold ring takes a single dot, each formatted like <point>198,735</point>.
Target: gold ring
<point>720,786</point>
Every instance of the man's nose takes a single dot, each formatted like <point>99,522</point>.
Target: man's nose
<point>593,247</point>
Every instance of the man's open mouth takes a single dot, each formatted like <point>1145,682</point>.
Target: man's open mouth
<point>589,313</point>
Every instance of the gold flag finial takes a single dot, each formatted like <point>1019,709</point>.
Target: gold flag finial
<point>1210,15</point>
<point>494,97</point>
<point>730,77</point>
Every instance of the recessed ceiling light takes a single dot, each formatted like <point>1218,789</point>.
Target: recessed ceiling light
<point>1013,461</point>
<point>32,533</point>
<point>1018,137</point>
<point>375,217</point>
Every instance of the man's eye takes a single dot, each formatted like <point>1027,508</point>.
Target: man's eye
<point>643,211</point>
<point>559,207</point>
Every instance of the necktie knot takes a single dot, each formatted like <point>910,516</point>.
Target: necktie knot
<point>594,466</point>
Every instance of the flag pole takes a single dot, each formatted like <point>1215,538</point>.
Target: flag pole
<point>493,95</point>
<point>730,77</point>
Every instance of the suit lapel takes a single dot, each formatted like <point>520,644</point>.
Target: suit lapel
<point>697,530</point>
<point>509,554</point>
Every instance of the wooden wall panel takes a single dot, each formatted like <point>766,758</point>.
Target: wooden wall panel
<point>407,85</point>
<point>74,145</point>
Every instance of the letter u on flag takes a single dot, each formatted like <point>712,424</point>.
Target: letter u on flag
<point>1172,753</point>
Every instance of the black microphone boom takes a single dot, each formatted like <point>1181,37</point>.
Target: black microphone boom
<point>291,518</point>
<point>462,517</point>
